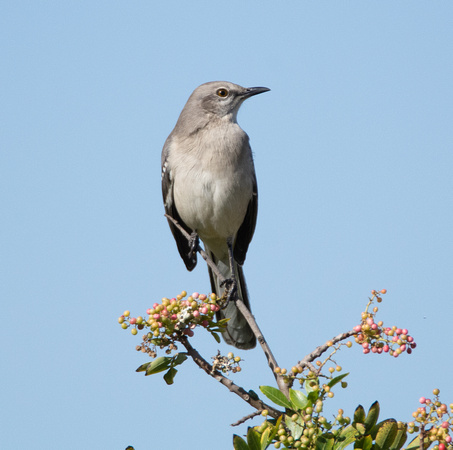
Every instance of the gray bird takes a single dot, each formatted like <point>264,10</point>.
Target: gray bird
<point>209,187</point>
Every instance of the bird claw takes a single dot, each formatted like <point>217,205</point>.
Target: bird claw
<point>194,241</point>
<point>231,290</point>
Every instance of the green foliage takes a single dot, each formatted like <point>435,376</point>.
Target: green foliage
<point>163,363</point>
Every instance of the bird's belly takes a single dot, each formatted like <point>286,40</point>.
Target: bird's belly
<point>214,208</point>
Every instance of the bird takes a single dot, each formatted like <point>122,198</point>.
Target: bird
<point>209,187</point>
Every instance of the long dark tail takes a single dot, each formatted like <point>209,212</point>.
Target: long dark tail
<point>238,332</point>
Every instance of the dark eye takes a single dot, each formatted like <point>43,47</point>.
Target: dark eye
<point>222,92</point>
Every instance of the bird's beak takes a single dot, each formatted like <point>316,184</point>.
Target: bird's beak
<point>250,92</point>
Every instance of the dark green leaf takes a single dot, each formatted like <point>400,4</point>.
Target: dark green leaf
<point>336,380</point>
<point>239,443</point>
<point>364,443</point>
<point>325,442</point>
<point>347,436</point>
<point>143,367</point>
<point>159,365</point>
<point>359,414</point>
<point>386,434</point>
<point>276,396</point>
<point>179,358</point>
<point>216,336</point>
<point>253,439</point>
<point>372,417</point>
<point>170,375</point>
<point>298,400</point>
<point>400,438</point>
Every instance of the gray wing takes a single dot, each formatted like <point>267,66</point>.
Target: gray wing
<point>246,230</point>
<point>170,209</point>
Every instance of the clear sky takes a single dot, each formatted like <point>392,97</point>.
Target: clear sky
<point>353,151</point>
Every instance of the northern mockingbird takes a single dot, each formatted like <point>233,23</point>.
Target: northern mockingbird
<point>209,187</point>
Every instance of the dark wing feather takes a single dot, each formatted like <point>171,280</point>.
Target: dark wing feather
<point>246,230</point>
<point>170,209</point>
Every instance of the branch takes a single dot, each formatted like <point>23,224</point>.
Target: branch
<point>244,310</point>
<point>247,417</point>
<point>203,364</point>
<point>266,349</point>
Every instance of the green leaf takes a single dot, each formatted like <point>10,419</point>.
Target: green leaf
<point>415,443</point>
<point>276,396</point>
<point>239,443</point>
<point>372,417</point>
<point>275,430</point>
<point>170,375</point>
<point>178,359</point>
<point>364,443</point>
<point>143,367</point>
<point>253,439</point>
<point>222,322</point>
<point>360,427</point>
<point>400,438</point>
<point>312,385</point>
<point>216,336</point>
<point>294,427</point>
<point>359,415</point>
<point>347,436</point>
<point>336,380</point>
<point>386,434</point>
<point>265,441</point>
<point>158,365</point>
<point>325,442</point>
<point>298,400</point>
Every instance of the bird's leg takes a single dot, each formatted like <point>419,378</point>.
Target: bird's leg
<point>231,285</point>
<point>193,243</point>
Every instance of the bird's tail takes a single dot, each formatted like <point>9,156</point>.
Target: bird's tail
<point>238,331</point>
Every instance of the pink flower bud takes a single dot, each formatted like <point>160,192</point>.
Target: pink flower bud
<point>358,328</point>
<point>365,345</point>
<point>195,295</point>
<point>148,311</point>
<point>132,320</point>
<point>398,331</point>
<point>196,313</point>
<point>155,305</point>
<point>386,348</point>
<point>156,316</point>
<point>422,400</point>
<point>204,310</point>
<point>366,350</point>
<point>173,317</point>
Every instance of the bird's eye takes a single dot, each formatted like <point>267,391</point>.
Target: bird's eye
<point>222,92</point>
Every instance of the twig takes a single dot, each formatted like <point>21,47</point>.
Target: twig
<point>244,310</point>
<point>266,349</point>
<point>247,417</point>
<point>203,364</point>
<point>306,361</point>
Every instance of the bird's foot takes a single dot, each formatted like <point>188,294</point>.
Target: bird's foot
<point>194,241</point>
<point>231,290</point>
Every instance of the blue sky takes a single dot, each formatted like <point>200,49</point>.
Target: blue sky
<point>353,152</point>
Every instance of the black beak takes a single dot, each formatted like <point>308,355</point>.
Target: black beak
<point>250,92</point>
